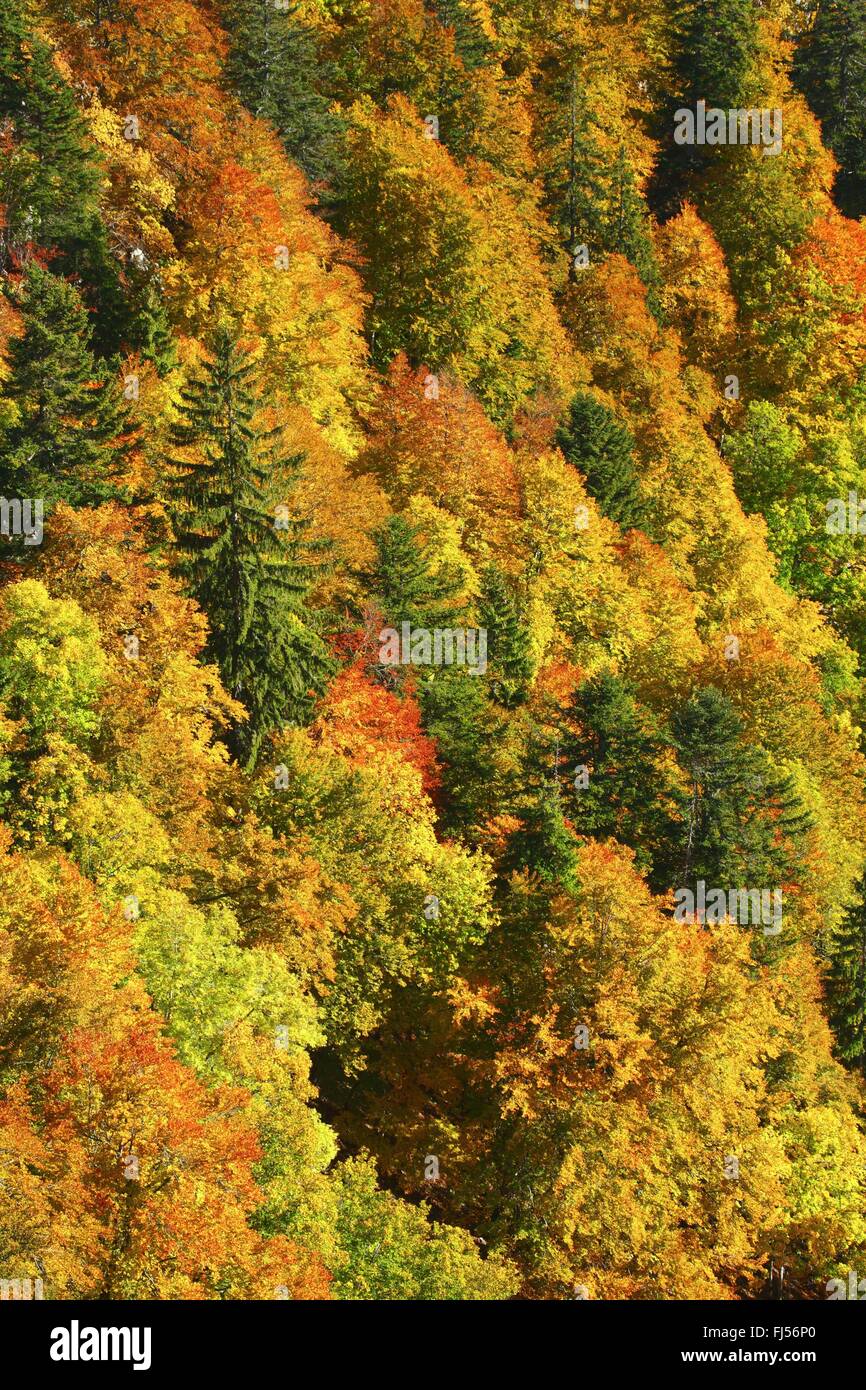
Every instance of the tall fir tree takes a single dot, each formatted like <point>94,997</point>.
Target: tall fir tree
<point>470,38</point>
<point>829,68</point>
<point>714,50</point>
<point>575,174</point>
<point>279,72</point>
<point>51,196</point>
<point>468,730</point>
<point>543,844</point>
<point>508,641</point>
<point>715,47</point>
<point>590,200</point>
<point>742,825</point>
<point>149,329</point>
<point>846,985</point>
<point>613,770</point>
<point>242,551</point>
<point>625,228</point>
<point>56,199</point>
<point>594,442</point>
<point>72,432</point>
<point>405,583</point>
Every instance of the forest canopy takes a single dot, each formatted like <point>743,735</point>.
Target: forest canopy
<point>432,628</point>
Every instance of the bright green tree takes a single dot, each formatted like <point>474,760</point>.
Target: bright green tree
<point>393,1251</point>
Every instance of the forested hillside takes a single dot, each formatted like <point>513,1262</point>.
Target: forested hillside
<point>432,630</point>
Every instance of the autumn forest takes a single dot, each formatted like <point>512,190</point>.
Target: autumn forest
<point>432,649</point>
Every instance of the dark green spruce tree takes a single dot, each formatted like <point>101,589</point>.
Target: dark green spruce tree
<point>590,201</point>
<point>625,228</point>
<point>242,552</point>
<point>468,727</point>
<point>830,70</point>
<point>574,174</point>
<point>846,985</point>
<point>543,844</point>
<point>594,442</point>
<point>614,779</point>
<point>405,583</point>
<point>508,644</point>
<point>149,327</point>
<point>741,824</point>
<point>277,69</point>
<point>72,431</point>
<point>470,39</point>
<point>713,55</point>
<point>55,199</point>
<point>51,177</point>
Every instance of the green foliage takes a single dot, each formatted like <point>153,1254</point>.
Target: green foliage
<point>71,433</point>
<point>594,441</point>
<point>51,667</point>
<point>716,48</point>
<point>714,52</point>
<point>624,228</point>
<point>280,73</point>
<point>473,43</point>
<point>543,845</point>
<point>616,780</point>
<point>241,550</point>
<point>846,985</point>
<point>392,1251</point>
<point>407,585</point>
<point>508,639</point>
<point>795,480</point>
<point>56,177</point>
<point>468,733</point>
<point>741,823</point>
<point>829,69</point>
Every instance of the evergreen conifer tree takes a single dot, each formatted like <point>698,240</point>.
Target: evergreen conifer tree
<point>741,824</point>
<point>279,73</point>
<point>624,228</point>
<point>508,641</point>
<point>612,769</point>
<point>72,433</point>
<point>471,42</point>
<point>714,52</point>
<point>544,845</point>
<point>593,441</point>
<point>846,985</point>
<point>830,70</point>
<point>405,584</point>
<point>575,177</point>
<point>56,198</point>
<point>243,554</point>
